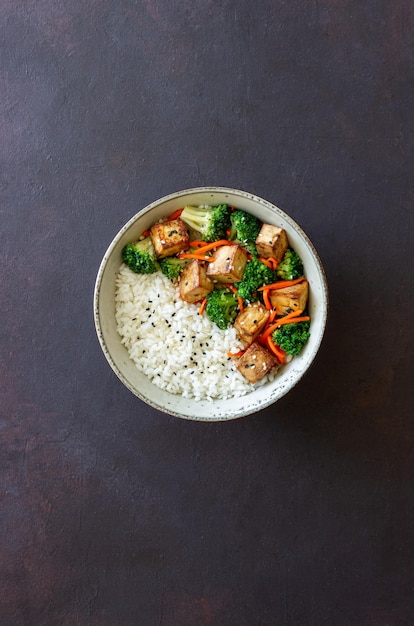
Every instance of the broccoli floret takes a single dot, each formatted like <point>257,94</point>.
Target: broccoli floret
<point>171,266</point>
<point>222,307</point>
<point>292,337</point>
<point>256,275</point>
<point>291,266</point>
<point>140,256</point>
<point>244,229</point>
<point>211,222</point>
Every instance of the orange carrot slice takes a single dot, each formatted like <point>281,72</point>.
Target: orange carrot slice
<point>176,214</point>
<point>282,283</point>
<point>236,354</point>
<point>278,352</point>
<point>199,257</point>
<point>202,306</point>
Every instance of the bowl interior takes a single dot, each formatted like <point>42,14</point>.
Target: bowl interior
<point>117,355</point>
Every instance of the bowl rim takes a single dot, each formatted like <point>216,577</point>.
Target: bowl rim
<point>174,196</point>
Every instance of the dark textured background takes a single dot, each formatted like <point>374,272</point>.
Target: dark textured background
<point>113,514</point>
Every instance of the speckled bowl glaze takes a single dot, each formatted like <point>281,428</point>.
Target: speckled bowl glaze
<point>117,355</point>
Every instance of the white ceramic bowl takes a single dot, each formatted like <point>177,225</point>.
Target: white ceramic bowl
<point>116,353</point>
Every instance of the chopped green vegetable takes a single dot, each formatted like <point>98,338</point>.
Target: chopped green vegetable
<point>140,256</point>
<point>171,266</point>
<point>291,266</point>
<point>222,307</point>
<point>211,222</point>
<point>292,337</point>
<point>256,275</point>
<point>244,229</point>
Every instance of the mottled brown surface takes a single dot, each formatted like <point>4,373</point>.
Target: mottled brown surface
<point>113,514</point>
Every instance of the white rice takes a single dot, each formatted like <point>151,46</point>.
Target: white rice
<point>175,347</point>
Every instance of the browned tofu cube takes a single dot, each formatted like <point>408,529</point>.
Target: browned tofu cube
<point>256,362</point>
<point>169,238</point>
<point>250,322</point>
<point>272,241</point>
<point>228,265</point>
<point>194,284</point>
<point>289,299</point>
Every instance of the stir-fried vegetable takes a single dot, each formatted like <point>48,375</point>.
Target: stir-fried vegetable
<point>264,295</point>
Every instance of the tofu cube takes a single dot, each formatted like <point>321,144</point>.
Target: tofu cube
<point>228,265</point>
<point>256,362</point>
<point>272,241</point>
<point>250,322</point>
<point>169,237</point>
<point>290,299</point>
<point>194,284</point>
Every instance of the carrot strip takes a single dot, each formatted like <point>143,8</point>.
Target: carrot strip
<point>272,316</point>
<point>266,262</point>
<point>292,320</point>
<point>287,319</point>
<point>282,283</point>
<point>197,243</point>
<point>236,354</point>
<point>199,257</point>
<point>268,331</point>
<point>231,287</point>
<point>176,214</point>
<point>202,306</point>
<point>278,352</point>
<point>241,303</point>
<point>274,262</point>
<point>266,300</point>
<point>216,244</point>
<point>145,233</point>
